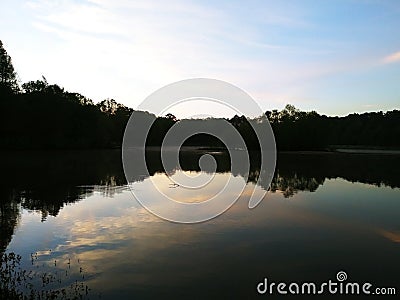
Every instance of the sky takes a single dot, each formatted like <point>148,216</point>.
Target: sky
<point>335,57</point>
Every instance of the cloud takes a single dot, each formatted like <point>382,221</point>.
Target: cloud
<point>392,58</point>
<point>390,235</point>
<point>152,44</point>
<point>126,49</point>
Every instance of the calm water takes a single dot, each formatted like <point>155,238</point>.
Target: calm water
<point>72,215</point>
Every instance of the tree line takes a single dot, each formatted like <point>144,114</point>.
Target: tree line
<point>39,115</point>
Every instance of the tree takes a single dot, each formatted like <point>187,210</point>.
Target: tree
<point>171,117</point>
<point>289,113</point>
<point>8,76</point>
<point>35,86</point>
<point>108,106</point>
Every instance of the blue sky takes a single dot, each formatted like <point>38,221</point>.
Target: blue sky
<point>335,57</point>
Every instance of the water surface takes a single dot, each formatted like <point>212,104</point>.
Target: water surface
<point>72,214</point>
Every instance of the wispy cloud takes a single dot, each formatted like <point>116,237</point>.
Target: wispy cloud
<point>158,43</point>
<point>390,235</point>
<point>392,58</point>
<point>126,49</point>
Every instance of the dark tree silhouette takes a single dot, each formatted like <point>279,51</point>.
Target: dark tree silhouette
<point>37,86</point>
<point>8,76</point>
<point>45,116</point>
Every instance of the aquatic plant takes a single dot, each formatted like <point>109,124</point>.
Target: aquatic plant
<point>17,282</point>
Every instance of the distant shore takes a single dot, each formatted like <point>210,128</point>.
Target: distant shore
<point>214,150</point>
<point>345,149</point>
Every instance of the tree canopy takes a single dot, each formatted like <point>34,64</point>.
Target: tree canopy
<point>8,76</point>
<point>40,115</point>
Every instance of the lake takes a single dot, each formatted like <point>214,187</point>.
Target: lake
<point>74,221</point>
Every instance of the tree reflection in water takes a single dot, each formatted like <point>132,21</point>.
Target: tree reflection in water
<point>46,181</point>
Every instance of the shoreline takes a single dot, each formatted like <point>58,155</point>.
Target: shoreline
<point>344,150</point>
